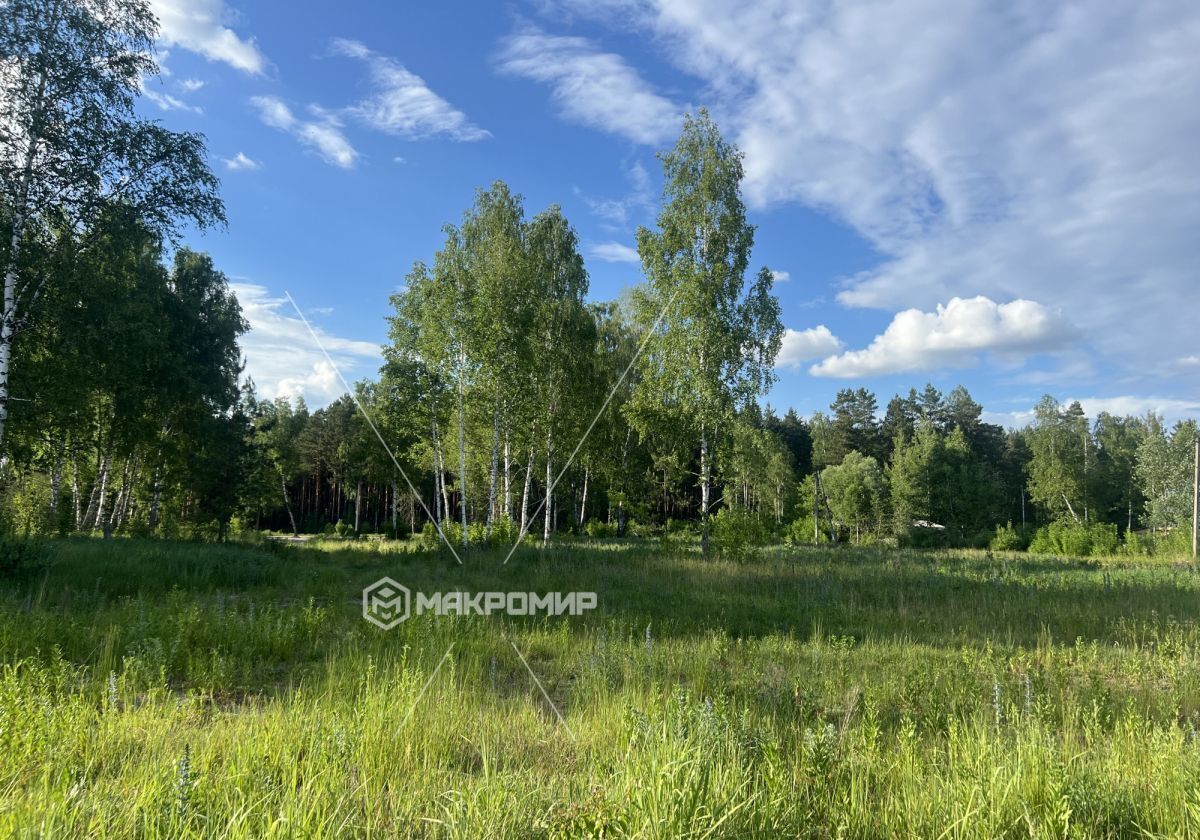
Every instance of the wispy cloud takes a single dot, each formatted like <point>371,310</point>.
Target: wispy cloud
<point>613,252</point>
<point>281,357</point>
<point>401,103</point>
<point>241,163</point>
<point>952,336</point>
<point>323,134</point>
<point>167,102</point>
<point>592,87</point>
<point>1042,151</point>
<point>1169,408</point>
<point>201,26</point>
<point>781,276</point>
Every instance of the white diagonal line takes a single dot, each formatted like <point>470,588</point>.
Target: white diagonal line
<point>592,425</point>
<point>425,687</point>
<point>371,423</point>
<point>543,690</point>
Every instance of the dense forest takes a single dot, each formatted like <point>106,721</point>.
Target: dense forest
<point>509,402</point>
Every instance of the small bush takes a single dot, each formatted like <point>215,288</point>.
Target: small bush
<point>598,529</point>
<point>735,532</point>
<point>800,532</point>
<point>20,554</point>
<point>1076,539</point>
<point>917,537</point>
<point>1008,538</point>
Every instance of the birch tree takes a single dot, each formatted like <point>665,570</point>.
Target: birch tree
<point>716,342</point>
<point>564,332</point>
<point>71,144</point>
<point>496,258</point>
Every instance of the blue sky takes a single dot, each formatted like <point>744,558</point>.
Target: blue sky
<point>1002,195</point>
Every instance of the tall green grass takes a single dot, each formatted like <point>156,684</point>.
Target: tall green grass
<point>152,689</point>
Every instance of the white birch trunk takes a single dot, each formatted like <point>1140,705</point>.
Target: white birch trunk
<point>549,488</point>
<point>525,492</point>
<point>462,451</point>
<point>493,470</point>
<point>507,510</point>
<point>704,490</point>
<point>287,503</point>
<point>75,499</point>
<point>102,482</point>
<point>583,501</point>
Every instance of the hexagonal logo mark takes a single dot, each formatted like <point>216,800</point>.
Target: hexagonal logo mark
<point>385,603</point>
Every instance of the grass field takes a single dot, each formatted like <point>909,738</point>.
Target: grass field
<point>157,689</point>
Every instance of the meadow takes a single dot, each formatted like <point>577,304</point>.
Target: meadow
<point>159,689</point>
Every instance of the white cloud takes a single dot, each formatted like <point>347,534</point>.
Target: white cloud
<point>200,26</point>
<point>613,252</point>
<point>805,345</point>
<point>241,163</point>
<point>284,361</point>
<point>167,102</point>
<point>592,87</point>
<point>1169,408</point>
<point>617,213</point>
<point>781,276</point>
<point>1028,150</point>
<point>401,103</point>
<point>192,85</point>
<point>323,134</point>
<point>951,337</point>
<point>1188,361</point>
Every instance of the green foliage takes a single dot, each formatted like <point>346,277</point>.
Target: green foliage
<point>1076,539</point>
<point>20,554</point>
<point>856,493</point>
<point>1008,538</point>
<point>598,529</point>
<point>218,687</point>
<point>737,532</point>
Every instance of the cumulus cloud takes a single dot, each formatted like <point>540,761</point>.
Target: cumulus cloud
<point>613,252</point>
<point>401,103</point>
<point>241,163</point>
<point>781,276</point>
<point>805,345</point>
<point>592,87</point>
<point>282,358</point>
<point>1037,150</point>
<point>323,133</point>
<point>952,336</point>
<point>200,26</point>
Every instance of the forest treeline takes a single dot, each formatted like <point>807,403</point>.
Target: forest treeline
<point>508,403</point>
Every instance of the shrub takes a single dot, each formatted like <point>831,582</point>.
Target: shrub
<point>1076,539</point>
<point>918,537</point>
<point>598,529</point>
<point>19,554</point>
<point>1008,538</point>
<point>800,532</point>
<point>735,532</point>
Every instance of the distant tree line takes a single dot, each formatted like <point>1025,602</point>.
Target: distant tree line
<point>121,412</point>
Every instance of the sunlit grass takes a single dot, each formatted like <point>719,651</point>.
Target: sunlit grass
<point>175,690</point>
